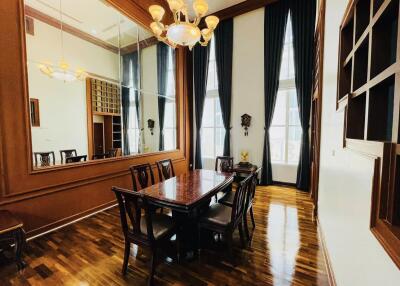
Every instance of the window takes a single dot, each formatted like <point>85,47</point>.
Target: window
<point>285,132</point>
<point>170,106</point>
<point>212,128</point>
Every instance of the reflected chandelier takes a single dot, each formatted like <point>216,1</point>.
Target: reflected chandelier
<point>183,32</point>
<point>62,71</point>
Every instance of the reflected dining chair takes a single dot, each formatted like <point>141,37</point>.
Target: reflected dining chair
<point>64,154</point>
<point>165,169</point>
<point>150,230</point>
<point>224,220</point>
<point>76,159</point>
<point>228,199</point>
<point>45,158</point>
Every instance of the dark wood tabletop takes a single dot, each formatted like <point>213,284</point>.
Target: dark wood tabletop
<point>186,191</point>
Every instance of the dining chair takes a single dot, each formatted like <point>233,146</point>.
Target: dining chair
<point>228,199</point>
<point>113,152</point>
<point>76,159</point>
<point>64,154</point>
<point>165,169</point>
<point>45,158</point>
<point>142,174</point>
<point>150,230</point>
<point>100,156</point>
<point>224,220</point>
<point>224,164</point>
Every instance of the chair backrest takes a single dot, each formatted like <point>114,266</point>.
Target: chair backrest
<point>128,203</point>
<point>100,156</point>
<point>44,158</point>
<point>75,159</point>
<point>142,174</point>
<point>224,164</point>
<point>239,200</point>
<point>165,169</point>
<point>64,154</point>
<point>252,188</point>
<point>113,152</point>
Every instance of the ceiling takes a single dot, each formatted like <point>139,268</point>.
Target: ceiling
<point>101,20</point>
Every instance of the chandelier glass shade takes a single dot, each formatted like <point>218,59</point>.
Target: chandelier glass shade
<point>62,71</point>
<point>183,31</point>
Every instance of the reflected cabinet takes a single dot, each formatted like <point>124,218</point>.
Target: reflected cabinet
<point>369,92</point>
<point>100,78</point>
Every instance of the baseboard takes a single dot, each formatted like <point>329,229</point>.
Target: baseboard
<point>284,184</point>
<point>329,269</point>
<point>68,220</point>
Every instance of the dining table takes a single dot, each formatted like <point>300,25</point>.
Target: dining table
<point>188,195</point>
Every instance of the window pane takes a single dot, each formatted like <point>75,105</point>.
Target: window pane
<point>293,108</point>
<point>277,143</point>
<point>280,109</point>
<point>294,142</point>
<point>207,142</point>
<point>219,141</point>
<point>208,113</point>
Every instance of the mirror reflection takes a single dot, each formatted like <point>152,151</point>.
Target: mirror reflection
<point>100,85</point>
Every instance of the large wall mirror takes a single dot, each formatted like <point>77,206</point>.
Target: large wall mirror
<point>100,85</point>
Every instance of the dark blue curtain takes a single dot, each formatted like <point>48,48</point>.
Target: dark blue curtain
<point>223,51</point>
<point>274,32</point>
<point>162,73</point>
<point>303,22</point>
<point>200,74</point>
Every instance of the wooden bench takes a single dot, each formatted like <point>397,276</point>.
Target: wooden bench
<point>12,232</point>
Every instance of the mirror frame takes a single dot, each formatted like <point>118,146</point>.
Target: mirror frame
<point>135,14</point>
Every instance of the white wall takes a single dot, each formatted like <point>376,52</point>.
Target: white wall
<point>248,92</point>
<point>63,119</point>
<point>345,185</point>
<point>150,97</point>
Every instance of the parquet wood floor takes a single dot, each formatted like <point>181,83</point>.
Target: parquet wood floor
<point>285,250</point>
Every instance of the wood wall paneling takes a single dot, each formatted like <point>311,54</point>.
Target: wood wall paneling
<point>52,196</point>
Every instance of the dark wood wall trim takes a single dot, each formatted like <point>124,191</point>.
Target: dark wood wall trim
<point>242,8</point>
<point>54,196</point>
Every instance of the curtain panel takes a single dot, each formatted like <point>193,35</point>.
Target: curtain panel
<point>200,74</point>
<point>224,51</point>
<point>303,13</point>
<point>274,32</point>
<point>162,74</point>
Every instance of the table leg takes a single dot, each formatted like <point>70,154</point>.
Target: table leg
<point>19,235</point>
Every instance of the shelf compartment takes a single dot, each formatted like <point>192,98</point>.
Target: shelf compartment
<point>356,117</point>
<point>384,38</point>
<point>362,17</point>
<point>360,73</point>
<point>345,80</point>
<point>380,111</point>
<point>346,43</point>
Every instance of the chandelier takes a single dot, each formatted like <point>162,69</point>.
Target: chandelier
<point>183,31</point>
<point>62,71</point>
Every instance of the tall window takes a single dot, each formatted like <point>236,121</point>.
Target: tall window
<point>285,131</point>
<point>170,106</point>
<point>133,125</point>
<point>212,127</point>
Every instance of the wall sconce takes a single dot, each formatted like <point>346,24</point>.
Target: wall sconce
<point>246,120</point>
<point>150,125</point>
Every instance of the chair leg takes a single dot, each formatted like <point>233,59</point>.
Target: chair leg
<point>241,235</point>
<point>229,241</point>
<point>178,246</point>
<point>152,268</point>
<point>199,240</point>
<point>126,256</point>
<point>246,226</point>
<point>252,217</point>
